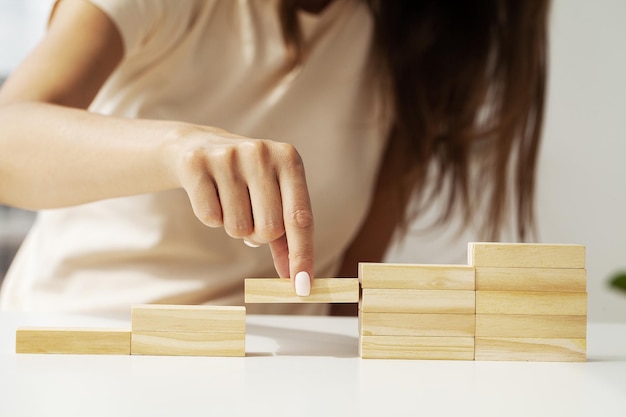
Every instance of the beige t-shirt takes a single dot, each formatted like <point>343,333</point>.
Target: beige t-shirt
<point>220,63</point>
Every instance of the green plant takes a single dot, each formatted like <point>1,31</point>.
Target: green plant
<point>618,281</point>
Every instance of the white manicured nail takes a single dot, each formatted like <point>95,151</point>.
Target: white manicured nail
<point>250,244</point>
<point>303,284</point>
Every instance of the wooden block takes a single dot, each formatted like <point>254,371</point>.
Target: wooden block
<point>412,347</point>
<point>182,318</point>
<point>525,326</point>
<point>406,324</point>
<point>188,343</point>
<point>417,277</point>
<point>526,255</point>
<point>531,279</point>
<point>522,302</point>
<point>378,300</point>
<point>530,349</point>
<point>323,290</point>
<point>72,340</point>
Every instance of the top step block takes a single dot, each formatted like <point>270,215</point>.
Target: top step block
<point>188,318</point>
<point>416,277</point>
<point>525,255</point>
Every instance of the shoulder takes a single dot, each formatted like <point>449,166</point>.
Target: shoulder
<point>144,22</point>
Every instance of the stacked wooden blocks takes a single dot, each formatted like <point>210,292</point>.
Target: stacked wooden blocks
<point>531,301</point>
<point>188,330</point>
<point>416,311</point>
<point>156,330</point>
<point>523,302</point>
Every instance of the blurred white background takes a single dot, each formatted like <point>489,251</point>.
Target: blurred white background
<point>582,172</point>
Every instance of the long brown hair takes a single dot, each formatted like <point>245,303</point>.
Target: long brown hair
<point>467,82</point>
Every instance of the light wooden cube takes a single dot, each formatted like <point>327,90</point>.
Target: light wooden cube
<point>531,326</point>
<point>526,255</point>
<point>187,318</point>
<point>530,349</point>
<point>280,290</point>
<point>77,341</point>
<point>188,343</point>
<point>536,303</point>
<point>531,279</point>
<point>377,300</point>
<point>406,324</point>
<point>413,347</point>
<point>417,277</point>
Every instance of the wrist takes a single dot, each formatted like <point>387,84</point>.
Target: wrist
<point>172,152</point>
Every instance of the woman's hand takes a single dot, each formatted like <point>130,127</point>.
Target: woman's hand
<point>256,189</point>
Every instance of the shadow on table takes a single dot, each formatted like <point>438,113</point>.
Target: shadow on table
<point>298,342</point>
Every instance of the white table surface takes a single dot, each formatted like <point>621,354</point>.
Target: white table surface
<point>304,366</point>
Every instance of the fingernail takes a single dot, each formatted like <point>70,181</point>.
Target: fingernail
<point>250,244</point>
<point>303,284</point>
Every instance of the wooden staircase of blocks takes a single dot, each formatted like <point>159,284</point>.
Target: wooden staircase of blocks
<point>517,302</point>
<point>531,302</point>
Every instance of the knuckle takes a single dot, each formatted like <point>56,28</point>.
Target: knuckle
<point>270,231</point>
<point>210,216</point>
<point>290,157</point>
<point>238,230</point>
<point>199,160</point>
<point>255,152</point>
<point>224,155</point>
<point>301,258</point>
<point>194,160</point>
<point>301,218</point>
<point>252,147</point>
<point>210,219</point>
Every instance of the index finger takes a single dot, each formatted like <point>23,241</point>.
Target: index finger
<point>298,221</point>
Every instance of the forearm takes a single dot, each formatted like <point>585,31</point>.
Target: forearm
<point>53,156</point>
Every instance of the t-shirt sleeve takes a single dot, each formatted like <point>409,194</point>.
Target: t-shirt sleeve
<point>143,23</point>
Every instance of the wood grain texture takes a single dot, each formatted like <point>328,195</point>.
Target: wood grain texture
<point>526,255</point>
<point>188,344</point>
<point>157,317</point>
<point>406,324</point>
<point>72,341</point>
<point>539,302</point>
<point>378,300</point>
<point>417,277</point>
<point>411,347</point>
<point>531,326</point>
<point>531,279</point>
<point>531,349</point>
<point>323,290</point>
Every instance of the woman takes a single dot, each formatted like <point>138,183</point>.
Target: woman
<point>135,124</point>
